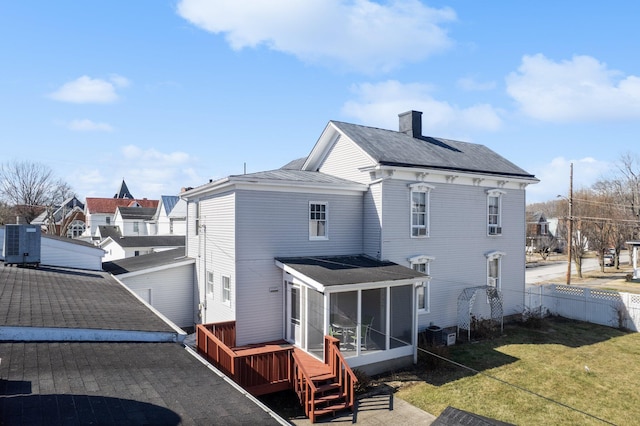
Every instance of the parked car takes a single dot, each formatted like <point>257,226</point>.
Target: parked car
<point>608,260</point>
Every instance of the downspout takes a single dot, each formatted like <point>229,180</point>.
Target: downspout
<point>415,322</point>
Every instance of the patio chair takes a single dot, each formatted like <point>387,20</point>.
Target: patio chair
<point>365,334</point>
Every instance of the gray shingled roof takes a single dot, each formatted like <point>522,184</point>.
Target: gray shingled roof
<point>288,175</point>
<point>393,148</point>
<point>151,241</point>
<point>146,261</point>
<point>140,213</point>
<point>341,270</point>
<point>107,231</point>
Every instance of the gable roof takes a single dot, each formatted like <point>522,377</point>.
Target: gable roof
<point>106,231</point>
<point>146,261</point>
<point>139,213</point>
<point>110,205</point>
<point>168,202</point>
<point>147,241</point>
<point>393,148</point>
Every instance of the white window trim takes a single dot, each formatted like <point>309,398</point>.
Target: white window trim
<point>210,288</point>
<point>490,257</point>
<point>426,189</point>
<point>226,298</point>
<point>426,284</point>
<point>326,221</point>
<point>495,193</point>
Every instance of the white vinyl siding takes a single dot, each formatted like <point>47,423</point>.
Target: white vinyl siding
<point>344,160</point>
<point>281,232</point>
<point>373,221</point>
<point>172,292</point>
<point>461,208</point>
<point>54,252</point>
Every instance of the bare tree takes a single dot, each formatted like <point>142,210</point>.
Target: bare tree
<point>31,187</point>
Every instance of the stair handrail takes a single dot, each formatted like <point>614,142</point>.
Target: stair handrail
<point>303,386</point>
<point>346,377</point>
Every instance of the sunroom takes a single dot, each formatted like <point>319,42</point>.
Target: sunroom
<point>368,304</point>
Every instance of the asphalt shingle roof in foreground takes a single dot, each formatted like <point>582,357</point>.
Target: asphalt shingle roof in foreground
<point>116,384</point>
<point>54,381</point>
<point>71,298</point>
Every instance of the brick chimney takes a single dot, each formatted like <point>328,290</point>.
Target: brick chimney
<point>411,123</point>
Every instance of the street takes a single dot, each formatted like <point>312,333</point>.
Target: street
<point>538,274</point>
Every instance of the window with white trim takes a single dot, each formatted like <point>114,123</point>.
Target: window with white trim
<point>107,220</point>
<point>494,269</point>
<point>210,284</point>
<point>318,220</point>
<point>226,289</point>
<point>420,198</point>
<point>494,211</point>
<point>423,292</point>
<point>76,229</point>
<point>136,227</point>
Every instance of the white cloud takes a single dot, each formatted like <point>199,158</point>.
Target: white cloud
<point>379,105</point>
<point>86,125</point>
<point>554,177</point>
<point>362,35</point>
<point>88,90</point>
<point>580,89</point>
<point>160,159</point>
<point>471,84</point>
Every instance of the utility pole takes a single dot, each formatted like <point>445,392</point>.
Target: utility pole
<point>570,227</point>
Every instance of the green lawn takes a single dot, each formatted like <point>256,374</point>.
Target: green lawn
<point>549,361</point>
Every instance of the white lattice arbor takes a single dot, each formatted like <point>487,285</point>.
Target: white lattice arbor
<point>467,298</point>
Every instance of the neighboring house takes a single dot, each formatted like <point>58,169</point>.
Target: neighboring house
<point>102,211</point>
<point>372,237</point>
<point>170,217</point>
<point>66,219</point>
<point>123,247</point>
<point>539,235</point>
<point>134,220</point>
<point>164,280</point>
<point>66,252</point>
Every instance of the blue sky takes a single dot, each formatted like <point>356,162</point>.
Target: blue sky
<point>167,94</point>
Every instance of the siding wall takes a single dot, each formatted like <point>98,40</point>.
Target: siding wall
<point>372,233</point>
<point>171,292</point>
<point>344,159</point>
<point>273,224</point>
<point>458,241</point>
<point>218,248</point>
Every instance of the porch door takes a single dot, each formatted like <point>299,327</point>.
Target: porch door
<point>294,314</point>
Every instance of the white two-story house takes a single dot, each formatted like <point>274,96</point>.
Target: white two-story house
<point>371,238</point>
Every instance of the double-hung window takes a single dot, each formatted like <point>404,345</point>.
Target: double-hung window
<point>494,267</point>
<point>421,264</point>
<point>318,220</point>
<point>226,290</point>
<point>136,227</point>
<point>420,193</point>
<point>494,212</point>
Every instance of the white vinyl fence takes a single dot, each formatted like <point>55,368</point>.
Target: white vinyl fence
<point>596,306</point>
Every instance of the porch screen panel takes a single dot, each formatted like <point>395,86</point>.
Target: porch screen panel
<point>401,313</point>
<point>315,322</point>
<point>374,316</point>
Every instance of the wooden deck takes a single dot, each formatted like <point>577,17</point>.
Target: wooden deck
<point>322,387</point>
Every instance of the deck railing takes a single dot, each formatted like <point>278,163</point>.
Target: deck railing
<point>303,386</point>
<point>259,371</point>
<point>339,367</point>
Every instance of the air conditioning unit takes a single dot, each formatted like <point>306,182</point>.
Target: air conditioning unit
<point>21,245</point>
<point>495,230</point>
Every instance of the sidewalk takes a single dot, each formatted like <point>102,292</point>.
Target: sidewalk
<point>374,410</point>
